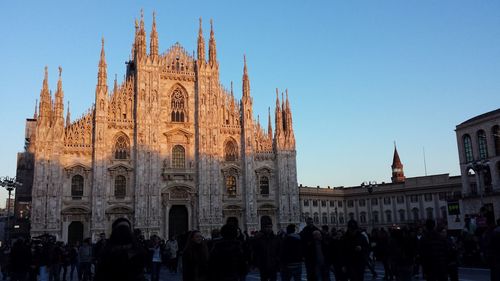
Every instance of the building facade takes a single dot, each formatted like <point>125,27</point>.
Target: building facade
<point>169,148</point>
<point>478,141</point>
<point>403,201</point>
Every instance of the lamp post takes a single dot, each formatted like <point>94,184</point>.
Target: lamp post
<point>479,167</point>
<point>369,185</point>
<point>10,184</point>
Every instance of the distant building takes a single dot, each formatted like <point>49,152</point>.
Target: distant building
<point>404,201</point>
<point>478,142</point>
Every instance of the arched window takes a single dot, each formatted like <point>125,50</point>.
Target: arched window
<point>481,141</point>
<point>122,150</point>
<point>178,106</point>
<point>341,218</point>
<point>469,157</point>
<point>333,218</point>
<point>402,217</point>
<point>324,218</point>
<point>375,217</point>
<point>120,186</point>
<point>362,217</point>
<point>264,185</point>
<point>388,216</point>
<point>414,211</point>
<point>230,151</point>
<point>77,187</point>
<point>430,213</point>
<point>495,131</point>
<point>231,186</point>
<point>351,216</point>
<point>178,157</point>
<point>316,218</point>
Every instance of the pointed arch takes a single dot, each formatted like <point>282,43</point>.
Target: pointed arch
<point>121,148</point>
<point>178,103</point>
<point>230,150</point>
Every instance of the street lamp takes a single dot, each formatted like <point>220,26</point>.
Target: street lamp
<point>370,185</point>
<point>479,167</point>
<point>10,184</point>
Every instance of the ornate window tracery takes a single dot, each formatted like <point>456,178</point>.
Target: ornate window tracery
<point>178,106</point>
<point>264,185</point>
<point>230,151</point>
<point>122,148</point>
<point>120,187</point>
<point>77,187</point>
<point>178,157</point>
<point>231,186</point>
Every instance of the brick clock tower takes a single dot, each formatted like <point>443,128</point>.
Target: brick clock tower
<point>398,175</point>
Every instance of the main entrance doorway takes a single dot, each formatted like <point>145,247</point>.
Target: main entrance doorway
<point>177,220</point>
<point>75,232</point>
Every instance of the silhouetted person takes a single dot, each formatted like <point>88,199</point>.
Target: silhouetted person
<point>227,262</point>
<point>20,261</point>
<point>122,258</point>
<point>306,236</point>
<point>291,255</point>
<point>354,251</point>
<point>266,252</point>
<point>171,249</point>
<point>434,254</point>
<point>195,258</point>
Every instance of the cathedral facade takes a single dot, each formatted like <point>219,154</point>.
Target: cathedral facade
<point>169,148</point>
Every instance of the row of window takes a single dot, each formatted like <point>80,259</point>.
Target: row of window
<point>363,216</point>
<point>400,199</point>
<point>482,144</point>
<point>122,152</point>
<point>120,186</point>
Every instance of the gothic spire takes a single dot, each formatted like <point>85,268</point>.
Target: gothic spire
<point>246,80</point>
<point>212,49</point>
<point>140,38</point>
<point>35,115</point>
<point>288,113</point>
<point>278,127</point>
<point>59,96</point>
<point>201,45</point>
<point>45,97</point>
<point>68,117</point>
<point>153,45</point>
<point>102,75</point>
<point>269,127</point>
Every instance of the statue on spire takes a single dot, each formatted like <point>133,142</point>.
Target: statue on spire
<point>201,45</point>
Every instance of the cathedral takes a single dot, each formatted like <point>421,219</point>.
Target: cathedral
<point>170,148</point>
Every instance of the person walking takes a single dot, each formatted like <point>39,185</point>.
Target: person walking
<point>355,248</point>
<point>20,261</point>
<point>171,249</point>
<point>266,252</point>
<point>227,261</point>
<point>306,236</point>
<point>156,258</point>
<point>85,258</point>
<point>434,254</point>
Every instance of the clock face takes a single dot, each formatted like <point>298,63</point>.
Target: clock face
<point>397,170</point>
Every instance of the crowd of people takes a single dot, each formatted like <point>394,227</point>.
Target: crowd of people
<point>230,254</point>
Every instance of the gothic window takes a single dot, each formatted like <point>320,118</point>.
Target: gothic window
<point>77,187</point>
<point>388,216</point>
<point>264,185</point>
<point>231,186</point>
<point>469,157</point>
<point>496,139</point>
<point>120,186</point>
<point>122,150</point>
<point>402,215</point>
<point>230,151</point>
<point>178,106</point>
<point>481,141</point>
<point>178,157</point>
<point>415,214</point>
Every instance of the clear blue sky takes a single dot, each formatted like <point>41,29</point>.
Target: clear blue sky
<point>360,74</point>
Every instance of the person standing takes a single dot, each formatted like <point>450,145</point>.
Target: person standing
<point>195,258</point>
<point>20,261</point>
<point>85,258</point>
<point>227,261</point>
<point>74,260</point>
<point>266,252</point>
<point>156,254</point>
<point>434,254</point>
<point>291,255</point>
<point>355,248</point>
<point>171,249</point>
<point>306,236</point>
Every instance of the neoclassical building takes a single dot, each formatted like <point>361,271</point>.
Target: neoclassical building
<point>169,148</point>
<point>478,141</point>
<point>403,201</point>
